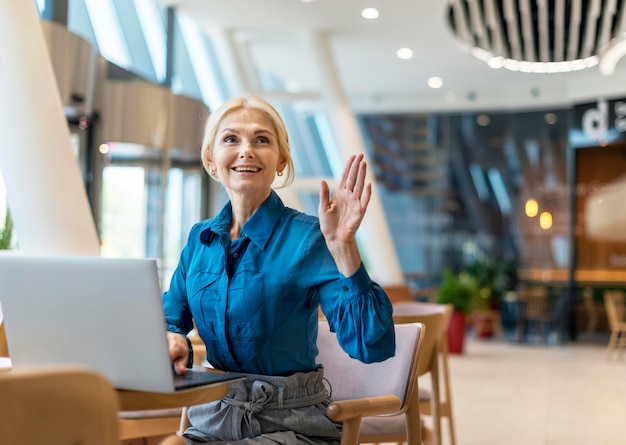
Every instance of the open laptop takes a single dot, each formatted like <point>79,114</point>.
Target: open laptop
<point>103,313</point>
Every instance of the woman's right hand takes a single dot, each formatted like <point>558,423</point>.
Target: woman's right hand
<point>179,352</point>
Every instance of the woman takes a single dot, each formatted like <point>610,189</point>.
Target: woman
<point>252,279</point>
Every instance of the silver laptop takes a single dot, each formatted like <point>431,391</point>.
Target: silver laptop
<point>103,313</point>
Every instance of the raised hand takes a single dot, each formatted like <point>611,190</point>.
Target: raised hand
<point>341,216</point>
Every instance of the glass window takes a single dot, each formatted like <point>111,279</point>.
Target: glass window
<point>41,6</point>
<point>108,32</point>
<point>182,210</point>
<point>151,19</point>
<point>79,23</point>
<point>196,70</point>
<point>124,203</point>
<point>132,201</point>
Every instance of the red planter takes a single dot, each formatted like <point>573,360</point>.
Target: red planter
<point>456,333</point>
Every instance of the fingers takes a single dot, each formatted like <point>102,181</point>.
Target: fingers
<point>179,351</point>
<point>365,197</point>
<point>353,175</point>
<point>360,177</point>
<point>324,195</point>
<point>180,366</point>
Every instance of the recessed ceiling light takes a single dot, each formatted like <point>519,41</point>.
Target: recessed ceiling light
<point>405,53</point>
<point>370,13</point>
<point>307,1</point>
<point>435,82</point>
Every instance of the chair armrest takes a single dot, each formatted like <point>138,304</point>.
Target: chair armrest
<point>369,406</point>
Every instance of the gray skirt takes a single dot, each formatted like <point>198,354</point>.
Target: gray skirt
<point>267,410</point>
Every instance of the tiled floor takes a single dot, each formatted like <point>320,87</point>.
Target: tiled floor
<point>519,394</point>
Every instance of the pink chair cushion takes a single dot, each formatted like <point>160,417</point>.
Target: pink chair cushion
<point>350,378</point>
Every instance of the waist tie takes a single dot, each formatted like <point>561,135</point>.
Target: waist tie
<point>260,394</point>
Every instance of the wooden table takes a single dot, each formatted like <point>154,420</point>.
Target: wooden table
<point>154,413</point>
<point>145,400</point>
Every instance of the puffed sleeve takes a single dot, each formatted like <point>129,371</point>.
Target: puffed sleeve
<point>360,312</point>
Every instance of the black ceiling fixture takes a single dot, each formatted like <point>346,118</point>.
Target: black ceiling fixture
<point>538,35</point>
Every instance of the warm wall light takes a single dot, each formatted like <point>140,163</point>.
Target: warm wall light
<point>103,148</point>
<point>545,220</point>
<point>532,208</point>
<point>483,120</point>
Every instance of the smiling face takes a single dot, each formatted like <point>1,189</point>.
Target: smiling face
<point>245,154</point>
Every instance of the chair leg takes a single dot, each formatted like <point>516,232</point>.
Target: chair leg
<point>443,347</point>
<point>451,429</point>
<point>413,425</point>
<point>621,340</point>
<point>436,401</point>
<point>184,422</point>
<point>350,431</point>
<point>612,343</point>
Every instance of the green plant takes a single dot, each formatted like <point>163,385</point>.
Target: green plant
<point>461,290</point>
<point>494,278</point>
<point>6,232</point>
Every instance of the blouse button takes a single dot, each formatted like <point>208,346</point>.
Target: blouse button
<point>345,288</point>
<point>235,255</point>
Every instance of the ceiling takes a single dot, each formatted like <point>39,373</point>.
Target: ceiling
<point>278,34</point>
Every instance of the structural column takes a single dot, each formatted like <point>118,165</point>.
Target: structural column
<point>45,189</point>
<point>377,245</point>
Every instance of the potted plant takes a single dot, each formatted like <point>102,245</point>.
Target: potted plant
<point>462,291</point>
<point>494,279</point>
<point>6,232</point>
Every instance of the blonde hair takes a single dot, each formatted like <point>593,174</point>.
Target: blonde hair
<point>248,103</point>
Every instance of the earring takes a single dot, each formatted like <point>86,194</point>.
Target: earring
<point>212,172</point>
<point>280,173</point>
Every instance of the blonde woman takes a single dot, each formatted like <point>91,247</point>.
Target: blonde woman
<point>252,279</point>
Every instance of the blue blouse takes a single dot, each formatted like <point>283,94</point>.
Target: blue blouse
<point>255,299</point>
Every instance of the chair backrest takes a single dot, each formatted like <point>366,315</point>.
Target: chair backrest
<point>535,299</point>
<point>57,406</point>
<point>352,379</point>
<point>435,318</point>
<point>615,307</point>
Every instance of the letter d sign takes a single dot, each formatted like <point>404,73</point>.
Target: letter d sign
<point>595,121</point>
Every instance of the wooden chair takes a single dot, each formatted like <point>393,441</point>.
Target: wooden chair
<point>57,406</point>
<point>435,403</point>
<point>533,310</point>
<point>594,310</point>
<point>616,314</point>
<point>360,390</point>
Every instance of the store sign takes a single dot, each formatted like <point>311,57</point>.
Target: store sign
<point>602,121</point>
